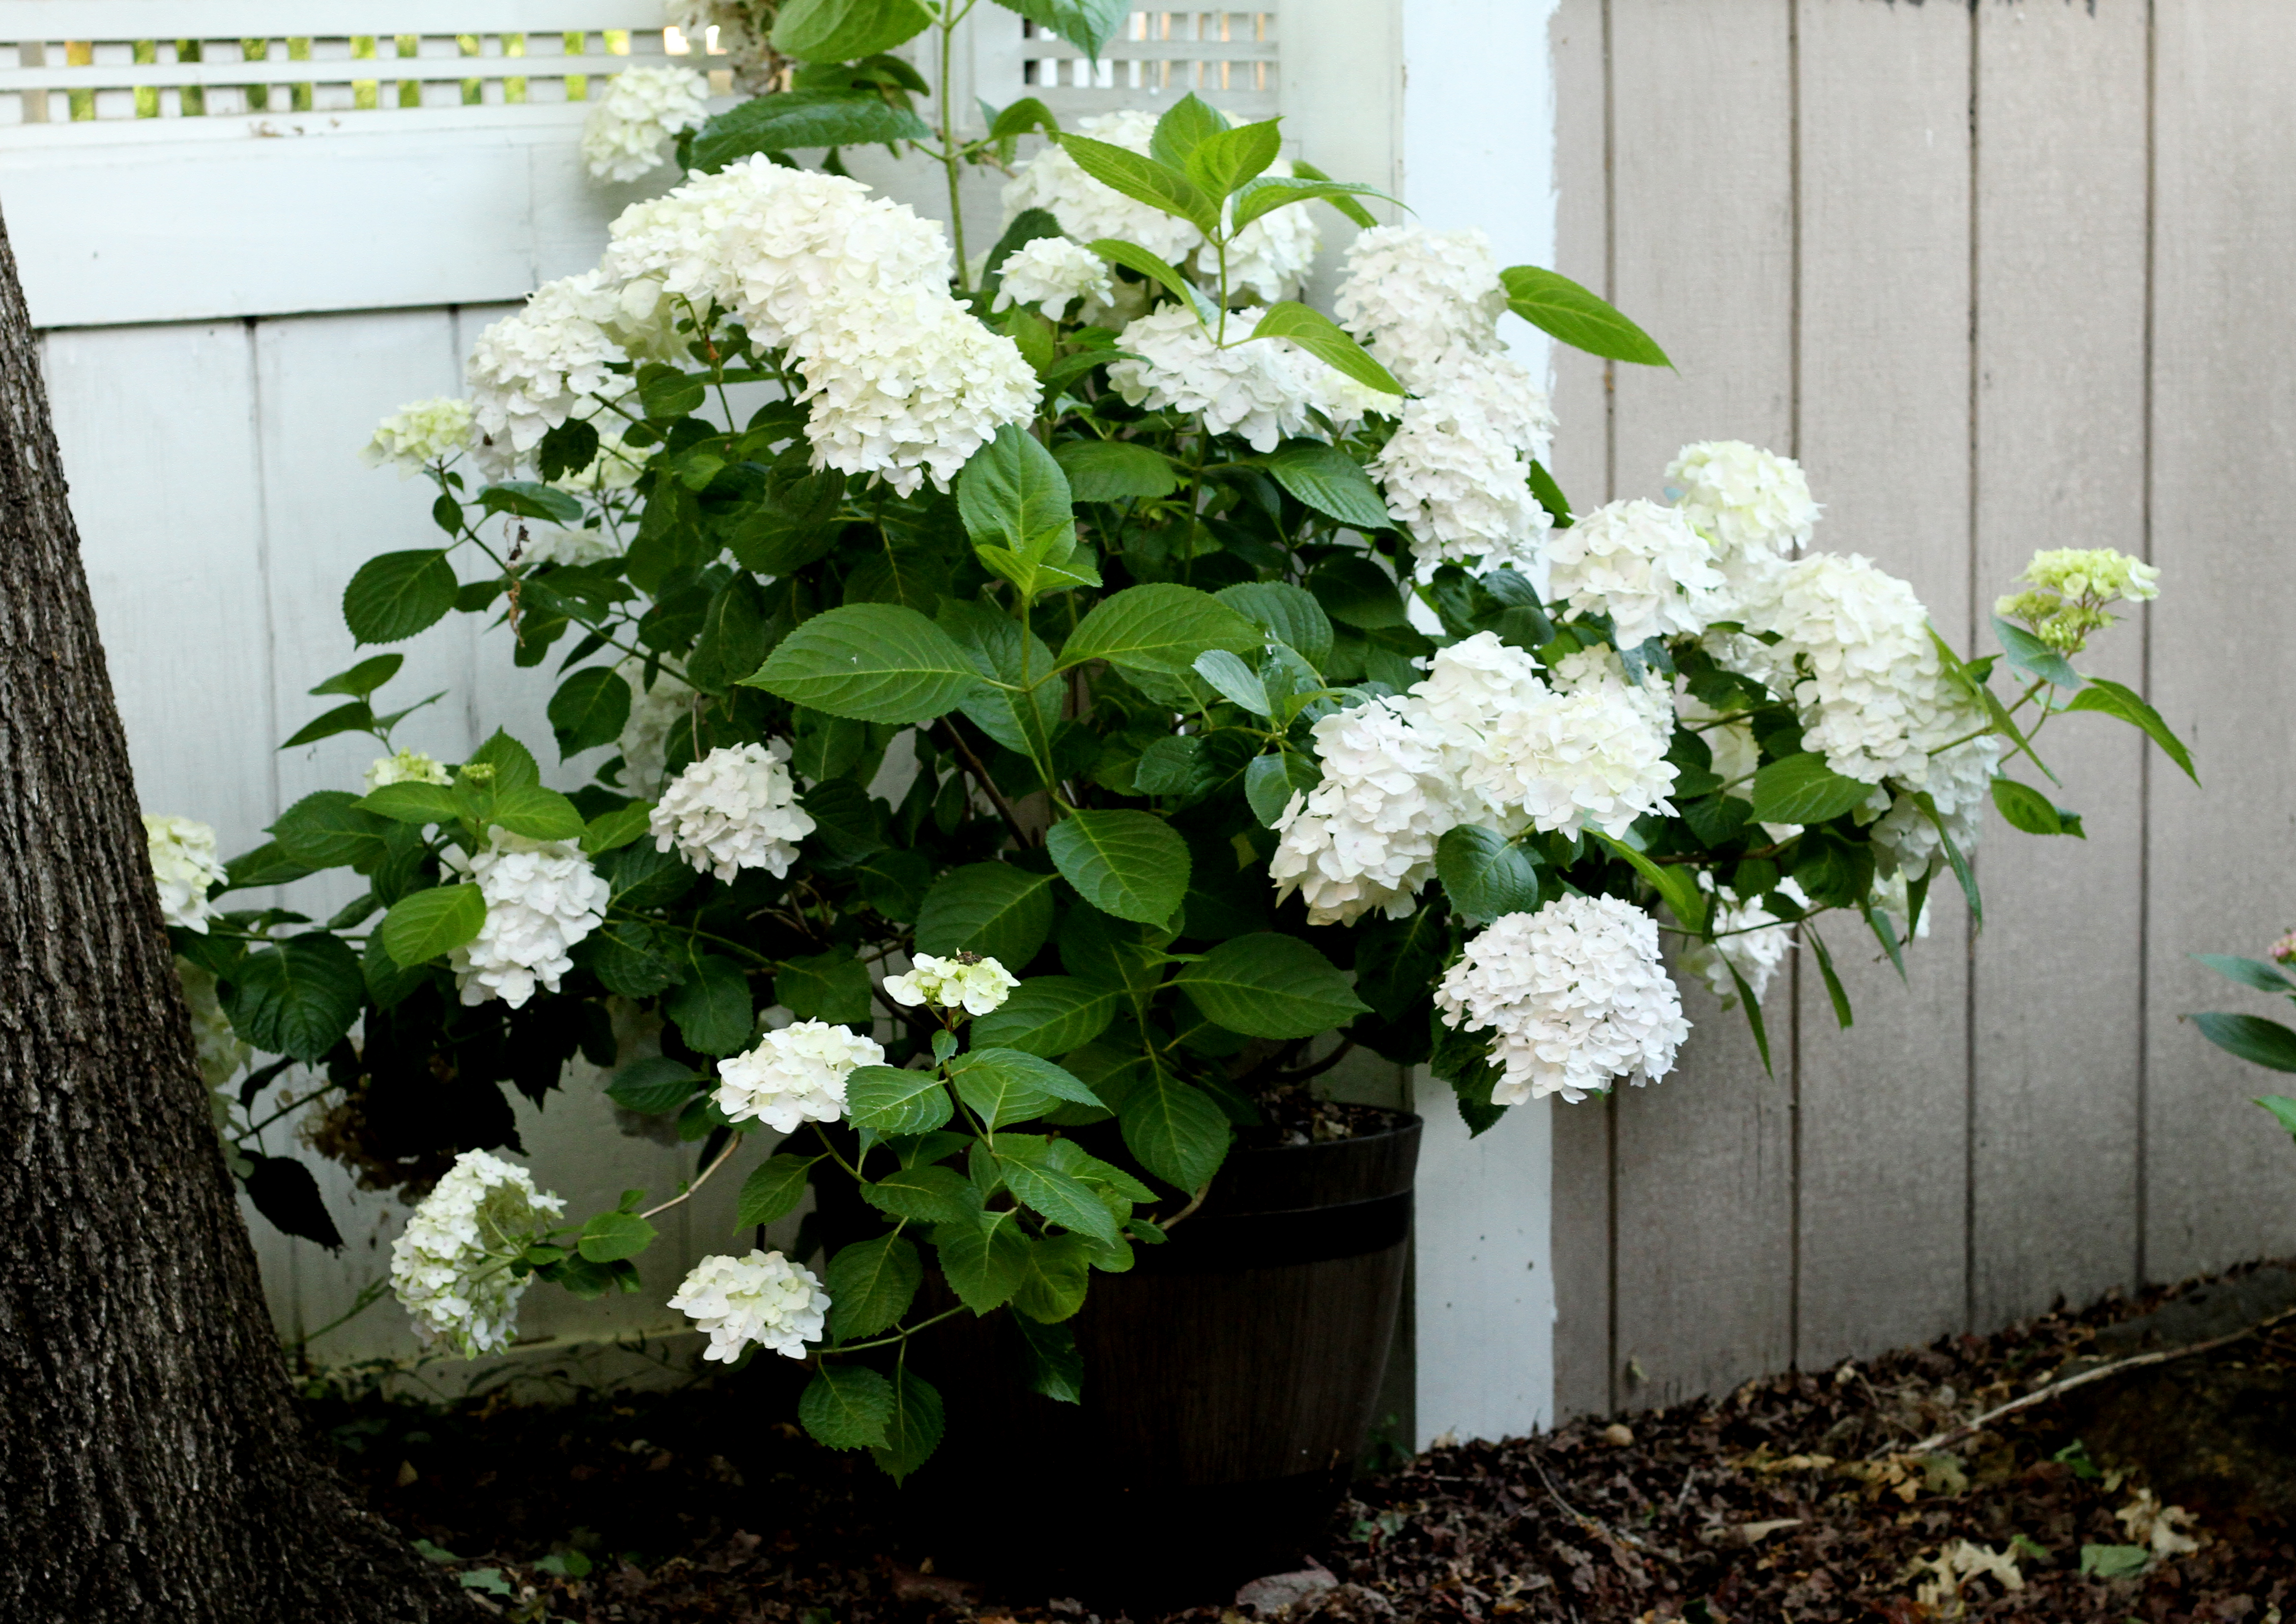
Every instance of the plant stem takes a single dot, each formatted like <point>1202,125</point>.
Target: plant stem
<point>724,1156</point>
<point>949,161</point>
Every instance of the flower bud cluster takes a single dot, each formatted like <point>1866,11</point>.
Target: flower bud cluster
<point>2068,589</point>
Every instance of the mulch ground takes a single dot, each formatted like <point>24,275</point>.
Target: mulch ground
<point>2165,1495</point>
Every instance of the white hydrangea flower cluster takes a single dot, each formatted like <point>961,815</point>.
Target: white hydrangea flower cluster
<point>1050,272</point>
<point>419,434</point>
<point>407,767</point>
<point>1959,783</point>
<point>1258,389</point>
<point>1412,295</point>
<point>530,372</point>
<point>734,809</point>
<point>654,711</point>
<point>1365,836</point>
<point>1877,699</point>
<point>1748,937</point>
<point>1755,507</point>
<point>1457,472</point>
<point>1087,210</point>
<point>902,381</point>
<point>763,1298</point>
<point>2069,589</point>
<point>451,1271</point>
<point>218,1049</point>
<point>1587,759</point>
<point>972,982</point>
<point>1638,562</point>
<point>185,864</point>
<point>1460,488</point>
<point>551,544</point>
<point>542,897</point>
<point>1481,739</point>
<point>631,128</point>
<point>794,1075</point>
<point>1575,998</point>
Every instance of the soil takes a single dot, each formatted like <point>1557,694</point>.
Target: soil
<point>1789,1499</point>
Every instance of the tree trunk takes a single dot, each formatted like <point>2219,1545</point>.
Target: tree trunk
<point>152,1465</point>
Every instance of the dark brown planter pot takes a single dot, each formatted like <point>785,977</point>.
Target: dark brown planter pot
<point>1229,1384</point>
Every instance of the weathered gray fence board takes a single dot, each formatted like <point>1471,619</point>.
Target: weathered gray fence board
<point>1703,1163</point>
<point>2218,1180</point>
<point>1884,414</point>
<point>2060,324</point>
<point>1583,1365</point>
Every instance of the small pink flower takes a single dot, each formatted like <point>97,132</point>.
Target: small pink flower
<point>2285,950</point>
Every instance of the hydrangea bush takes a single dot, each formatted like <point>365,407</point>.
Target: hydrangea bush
<point>1032,712</point>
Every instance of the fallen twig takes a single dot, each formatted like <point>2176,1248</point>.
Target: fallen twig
<point>1930,1446</point>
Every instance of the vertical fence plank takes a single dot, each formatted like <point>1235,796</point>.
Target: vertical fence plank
<point>2222,661</point>
<point>1885,282</point>
<point>157,430</point>
<point>322,383</point>
<point>1702,126</point>
<point>1582,1134</point>
<point>2060,289</point>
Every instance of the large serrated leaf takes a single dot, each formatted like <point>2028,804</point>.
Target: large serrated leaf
<point>875,662</point>
<point>1332,482</point>
<point>1131,864</point>
<point>1581,319</point>
<point>1049,1015</point>
<point>1006,1086</point>
<point>1160,627</point>
<point>1270,985</point>
<point>871,1285</point>
<point>772,1190</point>
<point>1329,342</point>
<point>996,909</point>
<point>1802,789</point>
<point>2251,1037</point>
<point>1174,1129</point>
<point>298,997</point>
<point>891,1103</point>
<point>423,926</point>
<point>846,1406</point>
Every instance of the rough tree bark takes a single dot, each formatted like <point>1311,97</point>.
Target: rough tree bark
<point>152,1465</point>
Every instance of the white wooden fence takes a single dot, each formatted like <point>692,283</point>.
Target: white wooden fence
<point>2003,278</point>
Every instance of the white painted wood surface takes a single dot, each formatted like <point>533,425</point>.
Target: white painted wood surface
<point>1476,151</point>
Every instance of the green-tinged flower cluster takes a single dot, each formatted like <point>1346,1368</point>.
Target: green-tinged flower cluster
<point>2068,590</point>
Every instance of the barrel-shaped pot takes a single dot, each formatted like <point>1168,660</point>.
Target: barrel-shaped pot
<point>1229,1384</point>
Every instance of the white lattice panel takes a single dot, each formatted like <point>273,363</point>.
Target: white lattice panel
<point>1232,59</point>
<point>89,62</point>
